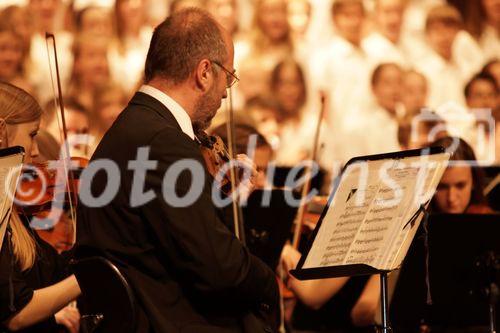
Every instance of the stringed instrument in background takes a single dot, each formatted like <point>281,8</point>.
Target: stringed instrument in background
<point>306,219</point>
<point>48,192</point>
<point>44,192</point>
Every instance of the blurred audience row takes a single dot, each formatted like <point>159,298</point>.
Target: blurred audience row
<point>379,75</point>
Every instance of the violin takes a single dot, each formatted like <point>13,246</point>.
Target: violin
<point>45,194</point>
<point>215,155</point>
<point>42,184</point>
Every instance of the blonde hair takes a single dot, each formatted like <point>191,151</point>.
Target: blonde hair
<point>17,107</point>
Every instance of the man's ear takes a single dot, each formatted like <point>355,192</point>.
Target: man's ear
<point>204,75</point>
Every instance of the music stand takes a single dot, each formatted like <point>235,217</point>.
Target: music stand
<point>322,259</point>
<point>492,185</point>
<point>457,245</point>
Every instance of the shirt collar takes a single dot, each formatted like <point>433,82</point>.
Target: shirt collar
<point>177,111</point>
<point>345,47</point>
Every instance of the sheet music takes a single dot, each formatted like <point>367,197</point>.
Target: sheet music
<point>434,171</point>
<point>389,209</point>
<point>353,200</point>
<point>373,202</point>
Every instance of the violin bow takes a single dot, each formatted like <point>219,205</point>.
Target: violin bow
<point>58,99</point>
<point>308,176</point>
<point>239,228</point>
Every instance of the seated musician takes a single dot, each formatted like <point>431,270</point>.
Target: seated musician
<point>189,273</point>
<point>461,187</point>
<point>345,304</point>
<point>34,287</point>
<point>263,152</point>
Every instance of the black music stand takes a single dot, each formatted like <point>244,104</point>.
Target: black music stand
<point>323,272</point>
<point>460,275</point>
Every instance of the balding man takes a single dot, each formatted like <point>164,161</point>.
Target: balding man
<point>162,228</point>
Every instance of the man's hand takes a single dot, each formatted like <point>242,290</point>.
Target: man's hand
<point>250,174</point>
<point>69,317</point>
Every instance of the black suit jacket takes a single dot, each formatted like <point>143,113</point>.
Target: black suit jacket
<point>188,271</point>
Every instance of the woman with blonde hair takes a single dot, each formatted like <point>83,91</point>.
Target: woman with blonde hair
<point>34,289</point>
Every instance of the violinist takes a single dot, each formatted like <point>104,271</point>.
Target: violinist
<point>334,305</point>
<point>189,273</point>
<point>34,286</point>
<point>262,152</point>
<point>460,190</point>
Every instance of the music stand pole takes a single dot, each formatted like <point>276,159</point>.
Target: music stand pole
<point>384,297</point>
<point>493,299</point>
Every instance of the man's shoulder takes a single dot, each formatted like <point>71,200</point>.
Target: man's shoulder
<point>137,125</point>
<point>135,129</point>
<point>174,142</point>
<point>144,108</point>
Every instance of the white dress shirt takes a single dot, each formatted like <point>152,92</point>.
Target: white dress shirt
<point>177,111</point>
<point>39,70</point>
<point>446,80</point>
<point>381,50</point>
<point>490,43</point>
<point>467,54</point>
<point>416,14</point>
<point>127,67</point>
<point>376,132</point>
<point>343,71</point>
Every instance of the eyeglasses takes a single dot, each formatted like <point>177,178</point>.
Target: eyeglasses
<point>231,78</point>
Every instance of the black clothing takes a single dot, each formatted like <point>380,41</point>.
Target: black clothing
<point>335,315</point>
<point>48,269</point>
<point>188,271</point>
